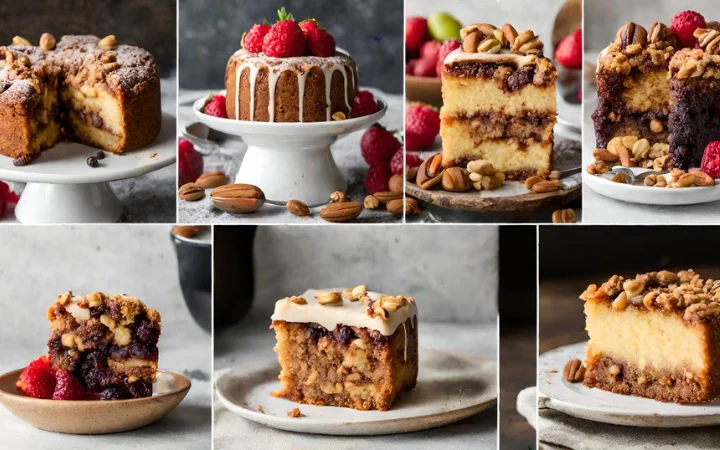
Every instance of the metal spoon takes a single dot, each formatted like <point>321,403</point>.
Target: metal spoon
<point>638,174</point>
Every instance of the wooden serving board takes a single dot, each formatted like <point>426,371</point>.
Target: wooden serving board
<point>507,199</point>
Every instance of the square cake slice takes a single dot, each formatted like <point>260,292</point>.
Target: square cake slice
<point>108,343</point>
<point>656,335</point>
<point>354,349</point>
<point>695,99</point>
<point>499,102</point>
<point>632,85</point>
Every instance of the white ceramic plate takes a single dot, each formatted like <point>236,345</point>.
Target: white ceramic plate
<point>647,195</point>
<point>597,405</point>
<point>66,163</point>
<point>450,388</point>
<point>569,119</point>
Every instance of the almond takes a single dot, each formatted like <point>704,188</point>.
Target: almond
<point>396,184</point>
<point>386,196</point>
<point>546,186</point>
<point>212,180</point>
<point>341,212</point>
<point>108,43</point>
<point>191,192</point>
<point>47,41</point>
<point>297,208</point>
<point>238,198</point>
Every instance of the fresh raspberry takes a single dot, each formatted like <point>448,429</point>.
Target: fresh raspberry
<point>430,51</point>
<point>569,51</point>
<point>445,49</point>
<point>410,67</point>
<point>579,97</point>
<point>216,107</point>
<point>424,68</point>
<point>68,387</point>
<point>711,160</point>
<point>412,141</point>
<point>378,145</point>
<point>683,26</point>
<point>378,177</point>
<point>285,38</point>
<point>416,32</point>
<point>397,163</point>
<point>190,162</point>
<point>8,199</point>
<point>252,41</point>
<point>363,104</point>
<point>37,380</point>
<point>424,121</point>
<point>307,25</point>
<point>320,42</point>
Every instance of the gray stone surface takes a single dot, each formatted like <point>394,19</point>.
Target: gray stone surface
<point>228,157</point>
<point>453,281</point>
<point>38,263</point>
<point>148,198</point>
<point>371,30</point>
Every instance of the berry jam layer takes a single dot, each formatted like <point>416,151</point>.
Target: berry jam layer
<point>108,343</point>
<point>349,366</point>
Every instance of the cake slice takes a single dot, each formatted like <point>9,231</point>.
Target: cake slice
<point>355,349</point>
<point>108,343</point>
<point>656,335</point>
<point>633,85</point>
<point>499,102</point>
<point>695,99</point>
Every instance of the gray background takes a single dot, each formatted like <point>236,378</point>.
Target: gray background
<point>371,30</point>
<point>604,17</point>
<point>38,263</point>
<point>452,272</point>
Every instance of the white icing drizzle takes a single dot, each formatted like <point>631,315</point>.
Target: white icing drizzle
<point>504,57</point>
<point>301,66</point>
<point>345,313</point>
<point>405,330</point>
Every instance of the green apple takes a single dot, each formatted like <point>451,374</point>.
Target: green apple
<point>443,26</point>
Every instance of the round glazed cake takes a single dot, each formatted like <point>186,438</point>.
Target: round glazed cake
<point>296,89</point>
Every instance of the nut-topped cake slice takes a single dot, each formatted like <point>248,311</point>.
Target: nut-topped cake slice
<point>632,84</point>
<point>109,343</point>
<point>695,99</point>
<point>499,102</point>
<point>350,347</point>
<point>656,335</point>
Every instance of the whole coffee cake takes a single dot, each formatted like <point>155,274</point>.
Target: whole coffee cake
<point>350,347</point>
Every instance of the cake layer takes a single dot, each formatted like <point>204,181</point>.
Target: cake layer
<point>298,89</point>
<point>524,127</point>
<point>610,121</point>
<point>636,92</point>
<point>466,96</point>
<point>629,378</point>
<point>515,158</point>
<point>349,313</point>
<point>347,366</point>
<point>654,339</point>
<point>108,343</point>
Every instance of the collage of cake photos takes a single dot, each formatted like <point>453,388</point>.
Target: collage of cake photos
<point>493,114</point>
<point>473,224</point>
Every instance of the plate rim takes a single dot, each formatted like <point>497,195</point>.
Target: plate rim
<point>348,428</point>
<point>663,197</point>
<point>550,378</point>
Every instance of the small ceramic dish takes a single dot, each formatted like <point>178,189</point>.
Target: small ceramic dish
<point>96,416</point>
<point>424,89</point>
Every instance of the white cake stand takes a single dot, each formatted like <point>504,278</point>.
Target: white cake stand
<point>290,160</point>
<point>62,188</point>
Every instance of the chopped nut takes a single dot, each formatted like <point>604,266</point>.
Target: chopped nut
<point>481,167</point>
<point>359,291</point>
<point>107,321</point>
<point>132,379</point>
<point>633,288</point>
<point>614,370</point>
<point>108,43</point>
<point>64,298</point>
<point>554,175</point>
<point>47,41</point>
<point>94,299</point>
<point>620,177</point>
<point>295,412</point>
<point>456,179</point>
<point>19,40</point>
<point>656,126</point>
<point>493,181</point>
<point>371,202</point>
<point>337,197</point>
<point>546,186</point>
<point>338,116</point>
<point>530,182</point>
<point>574,371</point>
<point>601,154</point>
<point>68,340</point>
<point>620,302</point>
<point>122,336</point>
<point>328,298</point>
<point>564,216</point>
<point>296,300</point>
<point>348,295</point>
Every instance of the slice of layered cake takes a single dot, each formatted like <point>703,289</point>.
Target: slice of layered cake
<point>633,85</point>
<point>695,99</point>
<point>656,335</point>
<point>350,348</point>
<point>499,102</point>
<point>109,343</point>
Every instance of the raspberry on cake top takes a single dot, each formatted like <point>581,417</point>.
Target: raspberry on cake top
<point>499,102</point>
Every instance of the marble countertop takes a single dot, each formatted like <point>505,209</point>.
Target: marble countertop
<point>148,198</point>
<point>228,157</point>
<point>250,343</point>
<point>138,260</point>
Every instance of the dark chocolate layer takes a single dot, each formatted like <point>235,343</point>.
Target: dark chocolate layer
<point>517,78</point>
<point>694,119</point>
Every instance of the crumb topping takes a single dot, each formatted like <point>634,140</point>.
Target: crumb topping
<point>636,48</point>
<point>684,293</point>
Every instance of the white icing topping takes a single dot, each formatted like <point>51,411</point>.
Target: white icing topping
<point>345,313</point>
<point>301,66</point>
<point>504,57</point>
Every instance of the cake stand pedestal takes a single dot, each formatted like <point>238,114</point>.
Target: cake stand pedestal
<point>290,161</point>
<point>62,188</point>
